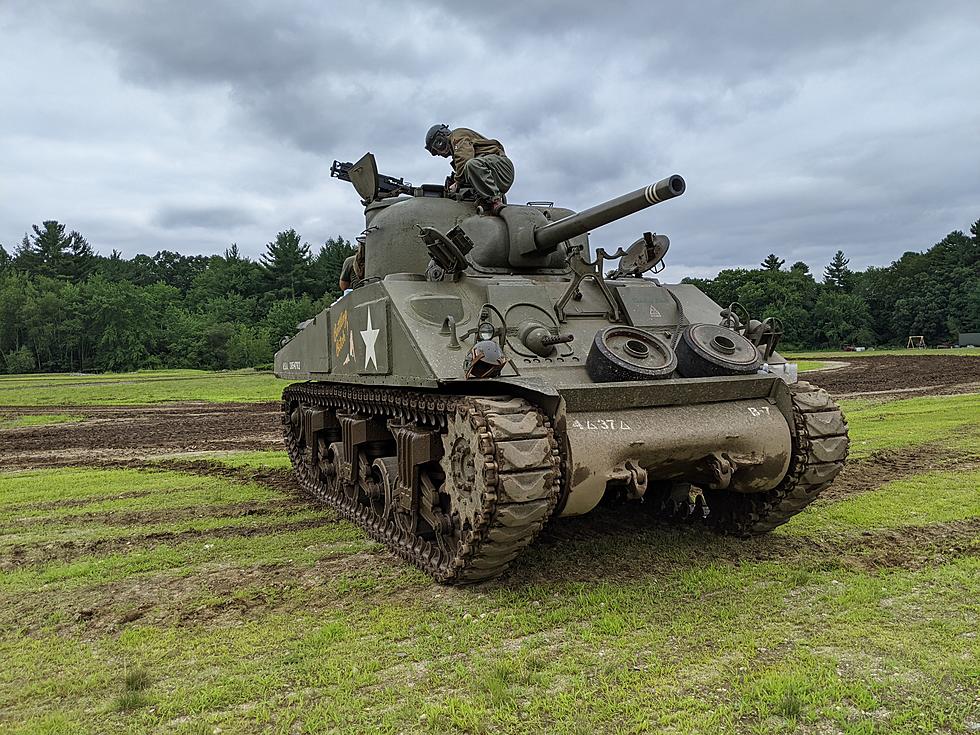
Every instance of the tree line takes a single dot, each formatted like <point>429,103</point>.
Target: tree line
<point>63,307</point>
<point>935,293</point>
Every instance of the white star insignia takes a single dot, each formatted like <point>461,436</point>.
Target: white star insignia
<point>370,337</point>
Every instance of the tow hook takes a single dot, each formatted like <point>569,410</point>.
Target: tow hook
<point>687,499</point>
<point>633,475</point>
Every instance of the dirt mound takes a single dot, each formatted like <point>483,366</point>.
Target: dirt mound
<point>120,432</point>
<point>914,375</point>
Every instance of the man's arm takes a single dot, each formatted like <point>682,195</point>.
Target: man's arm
<point>345,275</point>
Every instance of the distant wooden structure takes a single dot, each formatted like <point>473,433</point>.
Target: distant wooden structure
<point>916,341</point>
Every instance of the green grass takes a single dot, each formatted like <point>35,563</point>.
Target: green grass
<point>154,600</point>
<point>258,460</point>
<point>876,425</point>
<point>808,365</point>
<point>759,647</point>
<point>936,497</point>
<point>38,378</point>
<point>835,354</point>
<point>17,422</point>
<point>153,386</point>
<point>20,491</point>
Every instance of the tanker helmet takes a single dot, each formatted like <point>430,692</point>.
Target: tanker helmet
<point>437,140</point>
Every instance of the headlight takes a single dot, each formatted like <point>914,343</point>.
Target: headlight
<point>485,331</point>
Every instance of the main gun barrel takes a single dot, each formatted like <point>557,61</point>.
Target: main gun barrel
<point>547,238</point>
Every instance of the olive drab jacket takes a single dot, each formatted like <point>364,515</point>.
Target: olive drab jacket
<point>467,144</point>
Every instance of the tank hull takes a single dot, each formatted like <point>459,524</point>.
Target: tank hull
<point>731,433</point>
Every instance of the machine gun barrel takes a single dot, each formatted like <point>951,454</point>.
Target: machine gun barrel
<point>548,237</point>
<point>387,185</point>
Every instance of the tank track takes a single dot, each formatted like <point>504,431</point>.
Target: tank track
<point>820,446</point>
<point>509,457</point>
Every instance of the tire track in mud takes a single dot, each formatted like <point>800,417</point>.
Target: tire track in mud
<point>279,480</point>
<point>22,556</point>
<point>216,591</point>
<point>656,549</point>
<point>886,465</point>
<point>45,552</point>
<point>152,516</point>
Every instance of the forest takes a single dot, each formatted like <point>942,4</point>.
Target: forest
<point>66,308</point>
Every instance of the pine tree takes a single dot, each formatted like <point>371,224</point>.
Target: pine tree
<point>286,263</point>
<point>837,274</point>
<point>50,252</point>
<point>772,263</point>
<point>800,267</point>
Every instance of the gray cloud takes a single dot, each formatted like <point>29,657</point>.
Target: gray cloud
<point>801,128</point>
<point>209,218</point>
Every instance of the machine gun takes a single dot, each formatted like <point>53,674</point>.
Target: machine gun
<point>388,186</point>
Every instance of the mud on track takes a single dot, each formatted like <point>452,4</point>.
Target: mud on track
<point>925,375</point>
<point>123,432</point>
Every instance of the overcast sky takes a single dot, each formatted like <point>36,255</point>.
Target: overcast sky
<point>801,127</point>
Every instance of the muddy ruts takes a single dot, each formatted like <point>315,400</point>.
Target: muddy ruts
<point>820,447</point>
<point>508,453</point>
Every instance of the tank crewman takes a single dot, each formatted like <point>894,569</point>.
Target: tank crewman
<point>352,270</point>
<point>478,163</point>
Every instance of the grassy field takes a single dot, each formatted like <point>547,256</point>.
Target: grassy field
<point>807,365</point>
<point>835,354</point>
<point>15,422</point>
<point>202,595</point>
<point>876,425</point>
<point>152,386</point>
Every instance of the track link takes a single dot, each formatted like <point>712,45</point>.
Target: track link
<point>820,445</point>
<point>508,461</point>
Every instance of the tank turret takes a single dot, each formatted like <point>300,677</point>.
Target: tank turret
<point>524,237</point>
<point>488,374</point>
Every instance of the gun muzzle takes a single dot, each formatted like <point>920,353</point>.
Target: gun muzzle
<point>547,238</point>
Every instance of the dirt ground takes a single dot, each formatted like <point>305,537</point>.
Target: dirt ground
<point>926,375</point>
<point>135,432</point>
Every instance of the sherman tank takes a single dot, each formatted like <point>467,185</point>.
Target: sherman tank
<point>491,373</point>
